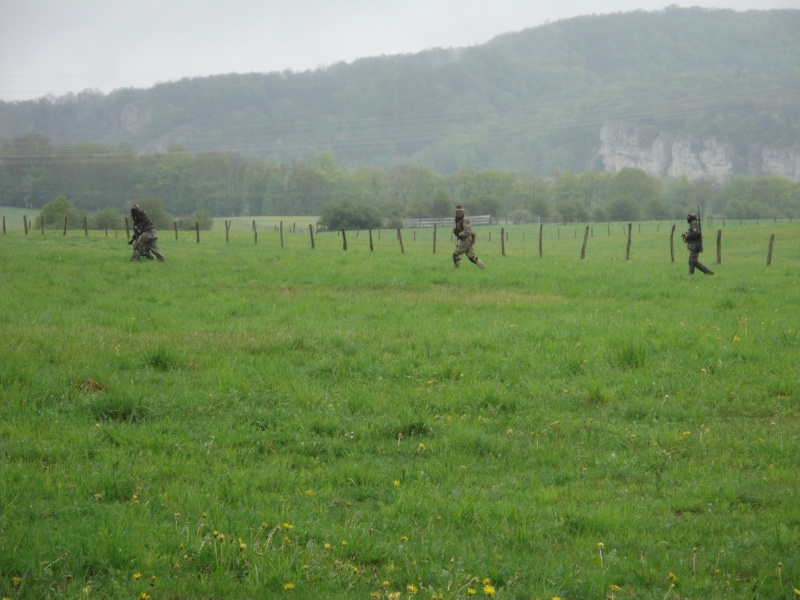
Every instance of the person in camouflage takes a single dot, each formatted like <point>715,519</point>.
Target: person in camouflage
<point>694,242</point>
<point>465,239</point>
<point>145,237</point>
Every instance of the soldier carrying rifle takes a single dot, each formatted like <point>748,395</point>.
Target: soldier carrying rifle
<point>694,242</point>
<point>145,237</point>
<point>465,239</point>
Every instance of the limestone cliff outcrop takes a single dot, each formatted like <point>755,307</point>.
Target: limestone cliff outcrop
<point>673,154</point>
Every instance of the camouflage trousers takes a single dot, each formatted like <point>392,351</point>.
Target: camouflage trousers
<point>465,247</point>
<point>147,245</point>
<point>694,263</point>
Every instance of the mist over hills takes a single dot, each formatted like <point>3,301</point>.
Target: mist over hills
<point>680,92</point>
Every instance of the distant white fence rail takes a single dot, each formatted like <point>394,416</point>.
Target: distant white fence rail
<point>444,221</point>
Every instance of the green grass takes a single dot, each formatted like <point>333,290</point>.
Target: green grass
<point>246,416</point>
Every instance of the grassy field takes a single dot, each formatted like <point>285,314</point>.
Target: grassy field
<point>251,420</point>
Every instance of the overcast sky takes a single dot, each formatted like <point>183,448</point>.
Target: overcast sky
<point>61,46</point>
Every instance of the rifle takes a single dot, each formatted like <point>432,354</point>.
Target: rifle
<point>134,238</point>
<point>700,227</point>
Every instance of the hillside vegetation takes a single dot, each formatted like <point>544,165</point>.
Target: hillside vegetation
<point>530,101</point>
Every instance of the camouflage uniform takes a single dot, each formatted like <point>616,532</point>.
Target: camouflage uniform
<point>145,237</point>
<point>465,240</point>
<point>694,242</point>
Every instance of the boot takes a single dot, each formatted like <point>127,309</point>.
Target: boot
<point>477,261</point>
<point>456,260</point>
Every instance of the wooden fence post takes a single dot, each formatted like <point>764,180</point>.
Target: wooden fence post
<point>628,250</point>
<point>719,246</point>
<point>434,238</point>
<point>42,224</point>
<point>769,253</point>
<point>175,227</point>
<point>503,241</point>
<point>585,239</point>
<point>344,237</point>
<point>672,243</point>
<point>311,233</point>
<point>197,229</point>
<point>541,227</point>
<point>400,237</point>
<point>255,233</point>
<point>281,234</point>
<point>227,229</point>
<point>85,226</point>
<point>4,224</point>
<point>65,225</point>
<point>371,249</point>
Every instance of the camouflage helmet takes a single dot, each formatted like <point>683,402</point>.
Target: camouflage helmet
<point>692,216</point>
<point>459,211</point>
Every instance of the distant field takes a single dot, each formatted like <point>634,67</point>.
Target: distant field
<point>14,217</point>
<point>258,420</point>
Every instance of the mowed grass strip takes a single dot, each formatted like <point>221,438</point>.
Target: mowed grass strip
<point>251,420</point>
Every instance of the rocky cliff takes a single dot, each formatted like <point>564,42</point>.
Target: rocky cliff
<point>673,154</point>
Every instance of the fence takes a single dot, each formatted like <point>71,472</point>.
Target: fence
<point>520,232</point>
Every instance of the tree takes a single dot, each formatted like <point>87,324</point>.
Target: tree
<point>54,212</point>
<point>352,216</point>
<point>630,191</point>
<point>108,218</point>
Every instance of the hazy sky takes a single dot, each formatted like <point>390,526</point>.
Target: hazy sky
<point>61,46</point>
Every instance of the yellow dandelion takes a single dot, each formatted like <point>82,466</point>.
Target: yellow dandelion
<point>796,593</point>
<point>403,538</point>
<point>422,448</point>
<point>385,583</point>
<point>394,595</point>
<point>326,546</point>
<point>471,591</point>
<point>615,587</point>
<point>144,596</point>
<point>486,581</point>
<point>396,483</point>
<point>137,576</point>
<point>412,589</point>
<point>242,545</point>
<point>344,543</point>
<point>671,576</point>
<point>288,586</point>
<point>488,590</point>
<point>288,526</point>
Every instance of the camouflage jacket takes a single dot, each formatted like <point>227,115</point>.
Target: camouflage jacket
<point>141,222</point>
<point>693,238</point>
<point>462,230</point>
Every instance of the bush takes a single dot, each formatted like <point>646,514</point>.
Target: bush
<point>53,214</point>
<point>200,217</point>
<point>349,215</point>
<point>108,218</point>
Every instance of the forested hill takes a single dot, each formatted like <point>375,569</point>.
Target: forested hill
<point>642,89</point>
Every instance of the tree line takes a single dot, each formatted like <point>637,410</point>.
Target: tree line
<point>105,180</point>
